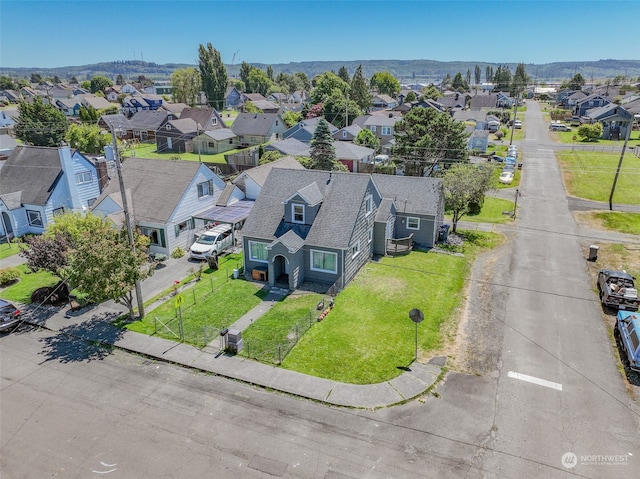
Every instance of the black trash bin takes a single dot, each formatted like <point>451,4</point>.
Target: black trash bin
<point>444,233</point>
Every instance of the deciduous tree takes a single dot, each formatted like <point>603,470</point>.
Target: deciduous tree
<point>186,85</point>
<point>385,83</point>
<point>99,83</point>
<point>465,187</point>
<point>258,82</point>
<point>88,138</point>
<point>367,138</point>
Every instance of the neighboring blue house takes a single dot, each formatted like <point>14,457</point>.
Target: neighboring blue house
<point>322,227</point>
<point>478,139</point>
<point>615,120</point>
<point>169,200</point>
<point>39,182</point>
<point>304,130</point>
<point>592,101</point>
<point>232,98</point>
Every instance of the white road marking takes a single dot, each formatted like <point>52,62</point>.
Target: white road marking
<point>538,381</point>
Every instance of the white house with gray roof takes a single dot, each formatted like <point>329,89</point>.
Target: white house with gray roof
<point>168,199</point>
<point>322,227</point>
<point>38,182</point>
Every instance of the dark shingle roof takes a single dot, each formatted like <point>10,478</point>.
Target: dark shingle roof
<point>254,123</point>
<point>334,223</point>
<point>411,194</point>
<point>156,186</point>
<point>149,120</point>
<point>30,171</point>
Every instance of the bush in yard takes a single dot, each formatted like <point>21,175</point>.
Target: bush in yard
<point>8,275</point>
<point>177,253</point>
<point>590,132</point>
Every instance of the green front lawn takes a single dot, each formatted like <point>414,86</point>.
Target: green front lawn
<point>617,221</point>
<point>9,249</point>
<point>148,150</point>
<point>368,335</point>
<point>491,212</point>
<point>21,291</point>
<point>213,303</point>
<point>590,175</point>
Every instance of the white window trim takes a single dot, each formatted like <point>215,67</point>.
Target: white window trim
<point>413,227</point>
<point>293,213</point>
<point>355,249</point>
<point>34,217</point>
<point>81,178</point>
<point>368,205</point>
<point>370,239</point>
<point>385,130</point>
<point>251,257</point>
<point>311,252</point>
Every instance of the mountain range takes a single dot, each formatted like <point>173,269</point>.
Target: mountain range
<point>407,71</point>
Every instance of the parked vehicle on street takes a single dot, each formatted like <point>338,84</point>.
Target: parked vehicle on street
<point>9,316</point>
<point>212,241</point>
<point>509,167</point>
<point>513,151</point>
<point>559,127</point>
<point>517,124</point>
<point>510,159</point>
<point>506,177</point>
<point>617,290</point>
<point>496,158</point>
<point>627,334</point>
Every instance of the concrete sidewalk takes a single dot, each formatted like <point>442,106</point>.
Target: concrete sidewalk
<point>95,325</point>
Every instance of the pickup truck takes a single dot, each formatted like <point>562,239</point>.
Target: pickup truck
<point>617,290</point>
<point>627,334</point>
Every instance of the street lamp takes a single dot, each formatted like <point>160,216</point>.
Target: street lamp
<point>416,316</point>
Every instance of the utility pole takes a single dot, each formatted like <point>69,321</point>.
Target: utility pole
<point>515,204</point>
<point>515,116</point>
<point>624,147</point>
<point>127,218</point>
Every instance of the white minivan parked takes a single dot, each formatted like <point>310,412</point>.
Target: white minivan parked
<point>212,241</point>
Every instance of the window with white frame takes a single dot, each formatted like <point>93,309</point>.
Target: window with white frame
<point>297,213</point>
<point>344,134</point>
<point>368,204</point>
<point>185,225</point>
<point>205,188</point>
<point>324,261</point>
<point>355,249</point>
<point>258,252</point>
<point>155,235</point>
<point>83,177</point>
<point>386,130</point>
<point>372,128</point>
<point>34,218</point>
<point>413,223</point>
<point>370,239</point>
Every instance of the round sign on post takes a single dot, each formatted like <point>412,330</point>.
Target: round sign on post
<point>417,316</point>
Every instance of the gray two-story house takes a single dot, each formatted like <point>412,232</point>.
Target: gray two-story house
<point>322,227</point>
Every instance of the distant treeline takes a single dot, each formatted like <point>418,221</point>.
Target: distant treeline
<point>407,71</point>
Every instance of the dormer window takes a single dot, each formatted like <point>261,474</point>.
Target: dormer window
<point>344,134</point>
<point>297,213</point>
<point>214,121</point>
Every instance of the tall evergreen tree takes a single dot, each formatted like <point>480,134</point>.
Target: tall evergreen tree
<point>323,152</point>
<point>520,80</point>
<point>344,74</point>
<point>360,90</point>
<point>270,72</point>
<point>214,75</point>
<point>245,69</point>
<point>477,75</point>
<point>40,123</point>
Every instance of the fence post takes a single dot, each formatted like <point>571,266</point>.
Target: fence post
<point>279,354</point>
<point>155,324</point>
<point>194,295</point>
<point>211,281</point>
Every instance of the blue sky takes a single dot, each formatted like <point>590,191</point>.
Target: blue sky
<point>59,33</point>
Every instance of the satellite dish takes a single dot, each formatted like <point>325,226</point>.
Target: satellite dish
<point>416,315</point>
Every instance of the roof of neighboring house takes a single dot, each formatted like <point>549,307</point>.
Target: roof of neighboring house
<point>149,120</point>
<point>346,150</point>
<point>608,110</point>
<point>68,102</point>
<point>592,97</point>
<point>204,117</point>
<point>377,120</point>
<point>253,96</point>
<point>259,173</point>
<point>185,125</point>
<point>265,105</point>
<point>97,102</point>
<point>116,121</point>
<point>290,146</point>
<point>352,130</point>
<point>484,101</point>
<point>258,124</point>
<point>156,186</point>
<point>175,108</point>
<point>221,134</point>
<point>309,125</point>
<point>411,194</point>
<point>18,174</point>
<point>341,193</point>
<point>383,98</point>
<point>137,98</point>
